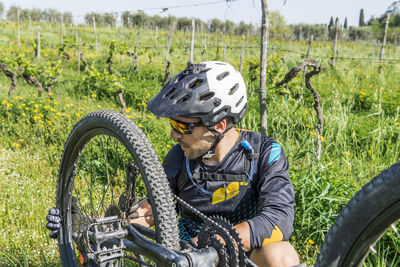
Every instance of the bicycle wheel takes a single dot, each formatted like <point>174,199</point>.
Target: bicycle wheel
<point>108,164</point>
<point>365,233</point>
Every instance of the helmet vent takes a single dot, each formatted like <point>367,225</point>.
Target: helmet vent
<point>195,83</point>
<point>240,101</point>
<point>233,89</point>
<point>206,96</point>
<point>222,75</point>
<point>170,92</point>
<point>183,99</point>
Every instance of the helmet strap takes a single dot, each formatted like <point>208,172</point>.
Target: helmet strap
<point>210,153</point>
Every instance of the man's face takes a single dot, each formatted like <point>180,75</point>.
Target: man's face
<point>195,144</point>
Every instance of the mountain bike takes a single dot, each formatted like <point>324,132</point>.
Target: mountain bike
<point>108,165</point>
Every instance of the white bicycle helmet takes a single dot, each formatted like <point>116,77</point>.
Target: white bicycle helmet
<point>211,91</point>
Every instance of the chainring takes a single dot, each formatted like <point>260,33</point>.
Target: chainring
<point>232,253</point>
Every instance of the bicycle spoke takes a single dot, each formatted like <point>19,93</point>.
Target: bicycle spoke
<point>106,173</point>
<point>374,252</point>
<point>395,230</point>
<point>90,191</point>
<point>81,208</point>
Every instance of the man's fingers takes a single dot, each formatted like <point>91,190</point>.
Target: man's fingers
<point>53,219</point>
<point>54,212</point>
<point>54,234</point>
<point>53,226</point>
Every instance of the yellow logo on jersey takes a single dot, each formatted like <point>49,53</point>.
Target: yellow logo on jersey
<point>232,190</point>
<point>276,236</point>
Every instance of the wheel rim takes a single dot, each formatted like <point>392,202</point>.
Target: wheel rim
<point>379,244</point>
<point>99,182</point>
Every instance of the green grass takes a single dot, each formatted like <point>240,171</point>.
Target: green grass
<point>360,106</point>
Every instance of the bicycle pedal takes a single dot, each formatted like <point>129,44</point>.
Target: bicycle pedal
<point>105,237</point>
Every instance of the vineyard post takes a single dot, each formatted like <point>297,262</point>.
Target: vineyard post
<point>95,34</point>
<point>263,67</point>
<point>192,41</point>
<point>61,29</point>
<point>76,40</point>
<point>169,43</point>
<point>79,57</point>
<point>38,43</point>
<point>18,33</point>
<point>223,59</point>
<point>156,35</point>
<point>248,36</point>
<point>382,54</point>
<point>336,40</point>
<point>241,55</point>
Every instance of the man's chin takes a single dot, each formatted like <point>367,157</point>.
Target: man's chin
<point>190,156</point>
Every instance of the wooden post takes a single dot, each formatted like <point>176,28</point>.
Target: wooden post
<point>382,54</point>
<point>38,43</point>
<point>336,40</point>
<point>169,43</point>
<point>241,55</point>
<point>79,57</point>
<point>156,36</point>
<point>263,67</point>
<point>95,34</point>
<point>18,33</point>
<point>223,59</point>
<point>192,41</point>
<point>61,29</point>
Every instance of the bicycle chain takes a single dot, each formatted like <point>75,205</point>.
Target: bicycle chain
<point>210,221</point>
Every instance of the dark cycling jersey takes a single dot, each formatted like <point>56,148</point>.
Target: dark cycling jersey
<point>244,186</point>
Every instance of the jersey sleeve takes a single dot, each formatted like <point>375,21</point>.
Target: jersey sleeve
<point>274,221</point>
<point>172,165</point>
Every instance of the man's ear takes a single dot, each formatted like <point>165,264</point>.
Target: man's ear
<point>220,126</point>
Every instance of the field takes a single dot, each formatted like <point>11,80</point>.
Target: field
<point>360,104</point>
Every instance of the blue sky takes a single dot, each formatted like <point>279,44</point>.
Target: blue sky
<point>294,11</point>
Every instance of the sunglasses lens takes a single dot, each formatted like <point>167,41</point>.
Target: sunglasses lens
<point>179,127</point>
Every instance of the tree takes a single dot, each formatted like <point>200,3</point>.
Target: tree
<point>97,17</point>
<point>109,19</point>
<point>138,19</point>
<point>1,9</point>
<point>345,26</point>
<point>331,23</point>
<point>36,14</point>
<point>216,25</point>
<point>277,26</point>
<point>12,13</point>
<point>51,15</point>
<point>229,27</point>
<point>361,21</point>
<point>67,17</point>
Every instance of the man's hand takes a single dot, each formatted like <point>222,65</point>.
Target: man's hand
<point>141,213</point>
<point>53,222</point>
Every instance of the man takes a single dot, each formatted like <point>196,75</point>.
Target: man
<point>238,175</point>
